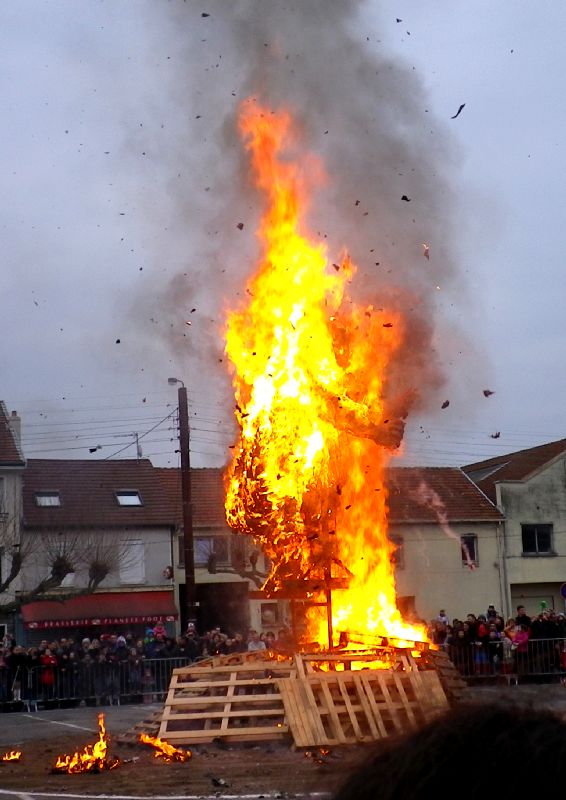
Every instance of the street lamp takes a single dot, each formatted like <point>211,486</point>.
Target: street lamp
<point>188,544</point>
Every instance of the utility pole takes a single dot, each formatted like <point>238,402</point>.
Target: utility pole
<point>187,507</point>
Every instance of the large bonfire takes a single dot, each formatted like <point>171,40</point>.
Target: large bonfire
<point>316,433</point>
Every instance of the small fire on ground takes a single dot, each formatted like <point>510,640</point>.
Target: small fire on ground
<point>93,758</point>
<point>165,750</point>
<point>12,755</point>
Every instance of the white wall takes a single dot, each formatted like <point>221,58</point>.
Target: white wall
<point>432,570</point>
<point>156,557</point>
<point>542,499</point>
<point>10,522</point>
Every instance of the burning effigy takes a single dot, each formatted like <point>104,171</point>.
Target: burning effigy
<point>316,425</point>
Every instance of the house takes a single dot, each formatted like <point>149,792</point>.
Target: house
<point>529,488</point>
<point>102,532</point>
<point>449,542</point>
<point>12,466</point>
<point>447,532</point>
<point>228,567</point>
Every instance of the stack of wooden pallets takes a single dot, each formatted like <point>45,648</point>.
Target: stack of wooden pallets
<point>319,699</point>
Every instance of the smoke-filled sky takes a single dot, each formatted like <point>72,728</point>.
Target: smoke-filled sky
<point>125,182</point>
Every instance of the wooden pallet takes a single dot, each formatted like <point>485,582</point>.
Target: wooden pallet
<point>360,706</point>
<point>451,680</point>
<point>318,698</point>
<point>148,725</point>
<point>238,702</point>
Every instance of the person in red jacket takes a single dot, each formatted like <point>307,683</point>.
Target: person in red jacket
<point>48,662</point>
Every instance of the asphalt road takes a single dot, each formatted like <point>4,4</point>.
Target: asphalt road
<point>17,728</point>
<point>20,727</point>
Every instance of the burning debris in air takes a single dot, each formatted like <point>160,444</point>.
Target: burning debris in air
<point>317,425</point>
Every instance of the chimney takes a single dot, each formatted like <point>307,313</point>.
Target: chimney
<point>15,425</point>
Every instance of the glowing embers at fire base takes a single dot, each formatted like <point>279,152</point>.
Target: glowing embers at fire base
<point>316,432</point>
<point>93,758</point>
<point>164,750</point>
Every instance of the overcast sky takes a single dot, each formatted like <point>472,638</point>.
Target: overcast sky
<point>123,185</point>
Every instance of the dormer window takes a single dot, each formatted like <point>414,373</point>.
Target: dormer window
<point>47,499</point>
<point>128,497</point>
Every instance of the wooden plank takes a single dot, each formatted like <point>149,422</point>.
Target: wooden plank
<point>296,719</point>
<point>437,701</point>
<point>389,704</point>
<point>398,678</point>
<point>227,705</point>
<point>311,712</point>
<point>372,713</point>
<point>261,666</point>
<point>350,708</point>
<point>236,735</point>
<point>229,682</point>
<point>232,714</point>
<point>300,665</point>
<point>364,679</point>
<point>338,733</point>
<point>234,699</point>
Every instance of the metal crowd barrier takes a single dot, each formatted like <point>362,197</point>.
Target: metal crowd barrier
<point>88,682</point>
<point>536,660</point>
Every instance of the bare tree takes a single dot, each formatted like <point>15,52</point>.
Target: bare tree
<point>45,560</point>
<point>242,563</point>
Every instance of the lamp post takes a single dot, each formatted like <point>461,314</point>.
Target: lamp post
<point>187,508</point>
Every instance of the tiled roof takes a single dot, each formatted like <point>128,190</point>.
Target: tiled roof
<point>412,492</point>
<point>87,493</point>
<point>425,494</point>
<point>207,494</point>
<point>87,488</point>
<point>515,466</point>
<point>9,452</point>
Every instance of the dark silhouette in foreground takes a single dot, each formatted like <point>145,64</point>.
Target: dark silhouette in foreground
<point>472,753</point>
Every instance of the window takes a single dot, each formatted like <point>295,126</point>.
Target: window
<point>397,557</point>
<point>269,613</point>
<point>211,551</point>
<point>469,548</point>
<point>128,497</point>
<point>537,540</point>
<point>132,561</point>
<point>47,499</point>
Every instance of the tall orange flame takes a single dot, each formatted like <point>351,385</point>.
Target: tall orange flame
<point>93,757</point>
<point>310,369</point>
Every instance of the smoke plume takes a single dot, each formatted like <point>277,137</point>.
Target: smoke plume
<point>386,198</point>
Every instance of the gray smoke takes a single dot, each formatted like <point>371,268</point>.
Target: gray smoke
<point>363,113</point>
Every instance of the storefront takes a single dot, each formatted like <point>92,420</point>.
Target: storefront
<point>95,615</point>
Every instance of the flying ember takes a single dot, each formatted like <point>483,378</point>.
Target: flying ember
<point>317,428</point>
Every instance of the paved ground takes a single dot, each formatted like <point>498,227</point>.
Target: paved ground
<point>19,727</point>
<point>251,771</point>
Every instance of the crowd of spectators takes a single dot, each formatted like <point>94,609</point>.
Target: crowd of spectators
<point>114,667</point>
<point>487,644</point>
